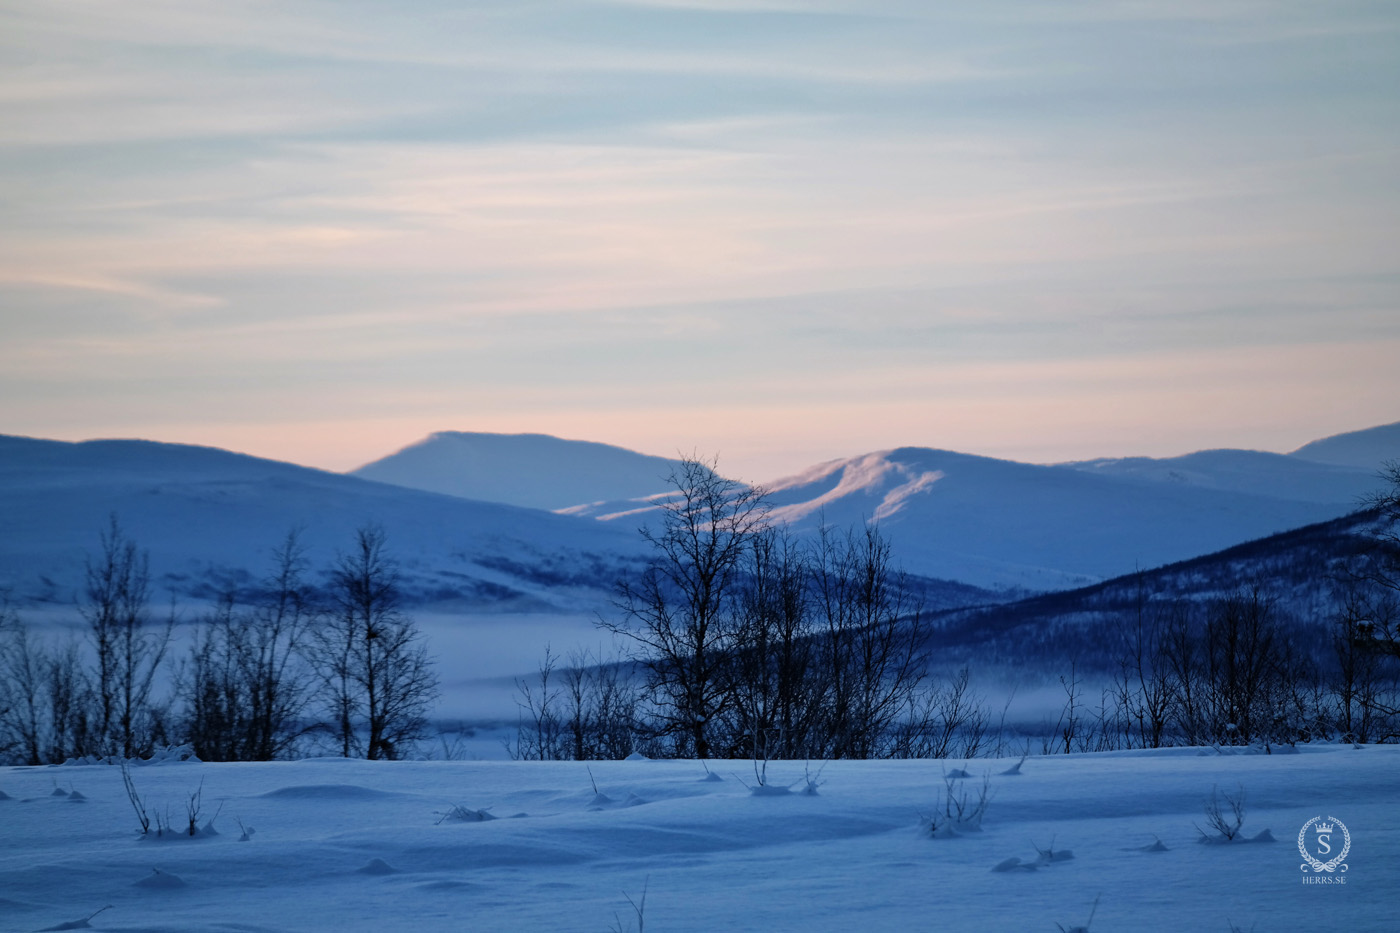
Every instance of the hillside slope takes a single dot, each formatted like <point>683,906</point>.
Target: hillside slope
<point>209,518</point>
<point>1300,570</point>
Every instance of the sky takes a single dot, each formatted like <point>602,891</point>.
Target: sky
<point>771,231</point>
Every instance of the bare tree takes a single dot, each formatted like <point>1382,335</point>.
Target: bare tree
<point>273,659</point>
<point>1235,676</point>
<point>249,681</point>
<point>873,642</point>
<point>129,646</point>
<point>1068,728</point>
<point>215,696</point>
<point>1245,661</point>
<point>680,612</point>
<point>71,706</point>
<point>539,736</point>
<point>1182,654</point>
<point>600,703</point>
<point>21,690</point>
<point>1364,683</point>
<point>1143,687</point>
<point>945,720</point>
<point>778,691</point>
<point>377,676</point>
<point>582,712</point>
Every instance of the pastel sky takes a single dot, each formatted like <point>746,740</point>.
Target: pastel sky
<point>770,230</point>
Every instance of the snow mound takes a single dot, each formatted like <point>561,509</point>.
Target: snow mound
<point>326,792</point>
<point>377,866</point>
<point>159,880</point>
<point>81,923</point>
<point>1154,846</point>
<point>1013,864</point>
<point>1044,857</point>
<point>1014,770</point>
<point>173,834</point>
<point>461,814</point>
<point>447,885</point>
<point>1219,839</point>
<point>770,790</point>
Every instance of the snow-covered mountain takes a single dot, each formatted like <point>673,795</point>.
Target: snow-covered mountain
<point>533,470</point>
<point>997,522</point>
<point>1365,450</point>
<point>1251,472</point>
<point>210,518</point>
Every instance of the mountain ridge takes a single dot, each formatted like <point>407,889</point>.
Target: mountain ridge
<point>983,521</point>
<point>520,469</point>
<point>1355,448</point>
<point>968,514</point>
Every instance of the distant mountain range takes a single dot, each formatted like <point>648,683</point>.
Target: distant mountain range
<point>536,522</point>
<point>1003,524</point>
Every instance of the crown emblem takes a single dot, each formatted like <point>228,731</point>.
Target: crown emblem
<point>1324,827</point>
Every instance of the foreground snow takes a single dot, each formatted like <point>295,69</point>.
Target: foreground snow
<point>354,845</point>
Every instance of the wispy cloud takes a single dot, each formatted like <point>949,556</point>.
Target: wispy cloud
<point>893,213</point>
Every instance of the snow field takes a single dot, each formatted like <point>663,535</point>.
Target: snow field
<point>355,845</point>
